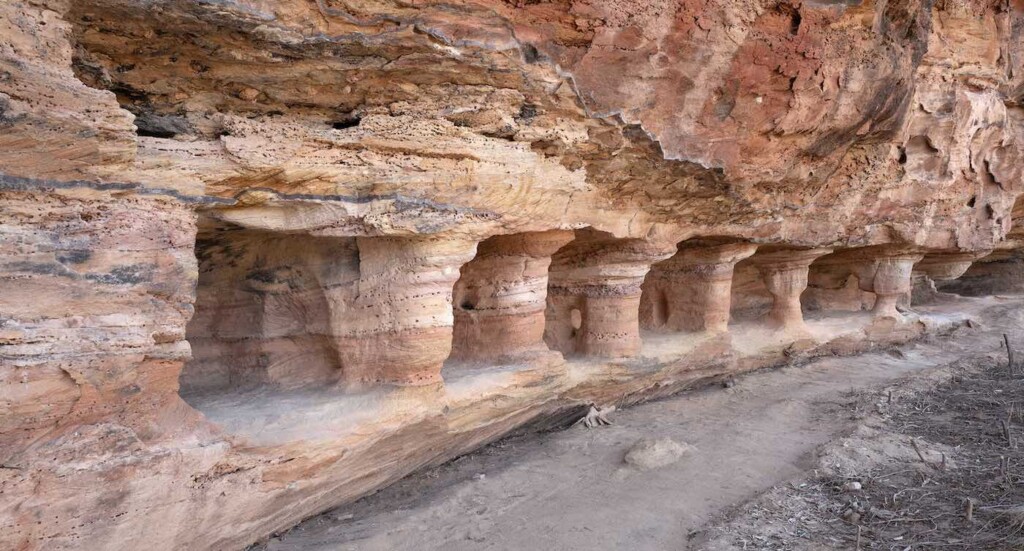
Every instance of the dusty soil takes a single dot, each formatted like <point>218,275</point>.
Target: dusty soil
<point>771,455</point>
<point>933,463</point>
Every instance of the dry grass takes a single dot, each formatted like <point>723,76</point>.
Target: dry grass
<point>951,475</point>
<point>976,504</point>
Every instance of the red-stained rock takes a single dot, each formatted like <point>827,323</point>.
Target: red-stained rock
<point>261,258</point>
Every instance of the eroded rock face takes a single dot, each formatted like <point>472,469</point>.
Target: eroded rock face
<point>501,296</point>
<point>259,258</point>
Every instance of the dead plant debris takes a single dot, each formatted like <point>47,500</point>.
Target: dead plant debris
<point>953,477</point>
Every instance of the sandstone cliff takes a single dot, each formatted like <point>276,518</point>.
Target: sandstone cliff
<point>258,258</point>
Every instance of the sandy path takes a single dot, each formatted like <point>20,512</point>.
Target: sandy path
<point>571,491</point>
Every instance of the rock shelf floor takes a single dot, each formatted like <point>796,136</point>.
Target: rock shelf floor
<point>272,417</point>
<point>571,490</point>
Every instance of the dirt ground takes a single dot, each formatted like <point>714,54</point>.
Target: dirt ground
<point>772,461</point>
<point>932,463</point>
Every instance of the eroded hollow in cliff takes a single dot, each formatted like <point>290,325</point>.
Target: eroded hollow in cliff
<point>500,298</point>
<point>999,272</point>
<point>861,279</point>
<point>770,294</point>
<point>292,310</point>
<point>691,291</point>
<point>749,297</point>
<point>303,337</point>
<point>262,317</point>
<point>594,295</point>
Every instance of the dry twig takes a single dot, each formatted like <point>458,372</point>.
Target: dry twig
<point>1009,354</point>
<point>917,449</point>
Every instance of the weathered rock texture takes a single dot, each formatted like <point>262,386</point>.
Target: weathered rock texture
<point>260,258</point>
<point>692,290</point>
<point>501,295</point>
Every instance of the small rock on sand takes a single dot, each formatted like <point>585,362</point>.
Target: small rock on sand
<point>652,453</point>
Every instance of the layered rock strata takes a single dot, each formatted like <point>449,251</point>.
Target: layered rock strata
<point>397,328</point>
<point>501,296</point>
<point>261,258</point>
<point>785,277</point>
<point>691,291</point>
<point>594,303</point>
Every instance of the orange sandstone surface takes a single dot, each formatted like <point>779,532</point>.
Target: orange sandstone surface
<point>260,258</point>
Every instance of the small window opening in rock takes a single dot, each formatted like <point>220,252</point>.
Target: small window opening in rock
<point>346,123</point>
<point>198,67</point>
<point>530,53</point>
<point>972,201</point>
<point>527,112</point>
<point>903,156</point>
<point>794,22</point>
<point>151,133</point>
<point>576,318</point>
<point>467,305</point>
<point>661,312</point>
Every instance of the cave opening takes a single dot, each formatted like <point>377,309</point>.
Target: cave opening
<point>720,286</point>
<point>594,295</point>
<point>499,299</point>
<point>854,280</point>
<point>150,133</point>
<point>262,318</point>
<point>834,287</point>
<point>349,122</point>
<point>690,292</point>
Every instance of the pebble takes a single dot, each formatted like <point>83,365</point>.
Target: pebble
<point>651,453</point>
<point>852,486</point>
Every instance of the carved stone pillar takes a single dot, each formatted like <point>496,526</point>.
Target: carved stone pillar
<point>395,325</point>
<point>691,291</point>
<point>889,279</point>
<point>500,298</point>
<point>594,294</point>
<point>785,276</point>
<point>940,267</point>
<point>947,266</point>
<point>884,270</point>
